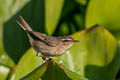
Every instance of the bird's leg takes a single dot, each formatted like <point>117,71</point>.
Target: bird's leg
<point>39,55</point>
<point>44,58</point>
<point>47,58</point>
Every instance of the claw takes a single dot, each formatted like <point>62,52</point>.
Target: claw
<point>44,58</point>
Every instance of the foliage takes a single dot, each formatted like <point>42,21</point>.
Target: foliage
<point>95,57</point>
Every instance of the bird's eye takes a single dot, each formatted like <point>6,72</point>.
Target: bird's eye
<point>66,40</point>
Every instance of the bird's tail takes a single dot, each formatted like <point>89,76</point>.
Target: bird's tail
<point>24,24</point>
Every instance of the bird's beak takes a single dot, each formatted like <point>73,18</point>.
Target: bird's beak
<point>76,41</point>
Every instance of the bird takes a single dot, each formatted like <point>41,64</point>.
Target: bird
<point>46,46</point>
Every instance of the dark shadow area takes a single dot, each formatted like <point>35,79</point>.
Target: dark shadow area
<point>14,38</point>
<point>107,72</point>
<point>70,9</point>
<point>54,72</point>
<point>118,74</point>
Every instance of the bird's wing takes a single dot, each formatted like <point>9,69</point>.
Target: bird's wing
<point>52,41</point>
<point>39,35</point>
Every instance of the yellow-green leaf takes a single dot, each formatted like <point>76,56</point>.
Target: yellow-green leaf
<point>53,10</point>
<point>27,64</point>
<point>97,54</point>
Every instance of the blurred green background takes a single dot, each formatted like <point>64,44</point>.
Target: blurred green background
<point>96,57</point>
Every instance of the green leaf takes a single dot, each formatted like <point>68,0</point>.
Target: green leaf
<point>97,54</point>
<point>4,58</point>
<point>37,73</point>
<point>105,13</point>
<point>62,30</point>
<point>53,10</point>
<point>14,38</point>
<point>79,21</point>
<point>117,36</point>
<point>52,71</point>
<point>74,76</point>
<point>82,2</point>
<point>66,60</point>
<point>28,69</point>
<point>4,71</point>
<point>9,8</point>
<point>6,63</point>
<point>8,32</point>
<point>68,7</point>
<point>27,64</point>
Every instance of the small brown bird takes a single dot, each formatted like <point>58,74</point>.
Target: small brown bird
<point>46,46</point>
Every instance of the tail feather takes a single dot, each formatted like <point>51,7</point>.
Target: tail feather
<point>24,24</point>
<point>32,34</point>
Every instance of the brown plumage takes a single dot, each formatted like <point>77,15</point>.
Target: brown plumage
<point>46,46</point>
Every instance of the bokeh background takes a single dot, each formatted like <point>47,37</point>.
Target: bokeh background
<point>96,57</point>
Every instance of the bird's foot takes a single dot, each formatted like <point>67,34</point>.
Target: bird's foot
<point>39,55</point>
<point>44,58</point>
<point>47,58</point>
